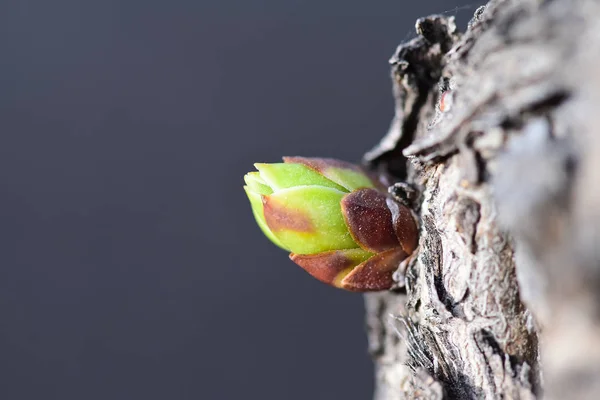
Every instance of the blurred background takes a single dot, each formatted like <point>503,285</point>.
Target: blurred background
<point>130,265</point>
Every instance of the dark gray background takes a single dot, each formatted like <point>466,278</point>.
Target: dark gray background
<point>130,265</point>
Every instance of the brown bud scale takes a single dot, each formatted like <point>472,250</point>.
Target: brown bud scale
<point>369,220</point>
<point>376,273</point>
<point>326,267</point>
<point>404,225</point>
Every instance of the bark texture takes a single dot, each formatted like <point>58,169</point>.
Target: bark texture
<point>498,130</point>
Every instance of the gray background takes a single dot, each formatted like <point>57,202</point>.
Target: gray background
<point>130,265</point>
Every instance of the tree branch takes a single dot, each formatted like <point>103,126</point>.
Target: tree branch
<point>497,130</point>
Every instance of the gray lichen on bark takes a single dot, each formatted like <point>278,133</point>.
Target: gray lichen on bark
<point>501,298</point>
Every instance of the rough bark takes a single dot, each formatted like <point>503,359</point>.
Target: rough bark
<point>498,131</point>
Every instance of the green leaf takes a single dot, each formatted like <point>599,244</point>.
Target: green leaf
<point>308,219</point>
<point>256,183</point>
<point>282,176</point>
<point>345,174</point>
<point>257,209</point>
<point>348,178</point>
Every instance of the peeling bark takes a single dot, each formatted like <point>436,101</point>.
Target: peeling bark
<point>496,129</point>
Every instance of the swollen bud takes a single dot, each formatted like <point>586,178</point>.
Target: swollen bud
<point>332,218</point>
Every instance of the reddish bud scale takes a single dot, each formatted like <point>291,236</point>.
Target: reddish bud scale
<point>374,274</point>
<point>404,225</point>
<point>369,220</point>
<point>329,267</point>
